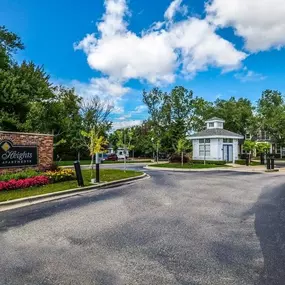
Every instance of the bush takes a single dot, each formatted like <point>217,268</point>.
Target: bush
<point>177,158</point>
<point>24,183</point>
<point>242,156</point>
<point>60,175</point>
<point>216,162</point>
<point>29,173</point>
<point>53,167</point>
<point>240,161</point>
<point>243,162</point>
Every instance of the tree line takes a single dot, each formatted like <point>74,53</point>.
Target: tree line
<point>174,115</point>
<point>30,102</point>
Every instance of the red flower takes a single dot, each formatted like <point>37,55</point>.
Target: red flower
<point>23,183</point>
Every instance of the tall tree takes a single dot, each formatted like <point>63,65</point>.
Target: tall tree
<point>271,115</point>
<point>238,114</point>
<point>173,115</point>
<point>96,114</point>
<point>9,44</point>
<point>20,87</point>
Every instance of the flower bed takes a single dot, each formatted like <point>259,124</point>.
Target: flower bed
<point>28,173</point>
<point>60,175</point>
<point>32,178</point>
<point>24,183</point>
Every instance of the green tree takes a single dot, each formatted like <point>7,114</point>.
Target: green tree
<point>238,115</point>
<point>9,44</point>
<point>95,144</point>
<point>174,114</point>
<point>182,146</point>
<point>249,147</point>
<point>271,115</point>
<point>262,147</point>
<point>21,87</point>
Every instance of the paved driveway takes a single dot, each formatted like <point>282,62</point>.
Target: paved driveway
<point>174,228</point>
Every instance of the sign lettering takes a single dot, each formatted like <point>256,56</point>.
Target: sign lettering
<point>17,155</point>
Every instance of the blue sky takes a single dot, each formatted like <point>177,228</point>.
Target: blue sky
<point>212,49</point>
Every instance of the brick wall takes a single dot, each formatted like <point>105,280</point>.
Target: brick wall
<point>43,141</point>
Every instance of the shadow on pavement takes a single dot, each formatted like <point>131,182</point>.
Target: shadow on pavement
<point>21,216</point>
<point>270,229</point>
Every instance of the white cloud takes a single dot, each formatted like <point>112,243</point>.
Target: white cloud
<point>156,54</point>
<point>139,109</point>
<point>129,56</point>
<point>126,124</point>
<point>118,110</point>
<point>174,8</point>
<point>249,75</point>
<point>260,22</point>
<point>201,47</point>
<point>105,88</point>
<point>124,117</point>
<point>113,20</point>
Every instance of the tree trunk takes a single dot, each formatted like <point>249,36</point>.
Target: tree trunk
<point>182,162</point>
<point>78,155</point>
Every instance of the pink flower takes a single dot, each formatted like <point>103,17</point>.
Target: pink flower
<point>23,183</point>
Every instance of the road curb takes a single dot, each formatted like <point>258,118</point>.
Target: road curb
<point>106,164</point>
<point>17,203</point>
<point>217,169</point>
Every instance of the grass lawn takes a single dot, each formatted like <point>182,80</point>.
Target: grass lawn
<point>188,165</point>
<point>87,162</point>
<point>106,175</point>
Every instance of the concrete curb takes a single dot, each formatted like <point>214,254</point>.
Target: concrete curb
<point>233,169</point>
<point>22,202</point>
<point>106,164</point>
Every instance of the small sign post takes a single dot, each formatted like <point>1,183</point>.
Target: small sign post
<point>97,168</point>
<point>78,174</point>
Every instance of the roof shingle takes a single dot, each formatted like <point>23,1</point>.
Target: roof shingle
<point>216,132</point>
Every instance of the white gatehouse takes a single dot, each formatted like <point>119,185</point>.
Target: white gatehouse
<point>215,143</point>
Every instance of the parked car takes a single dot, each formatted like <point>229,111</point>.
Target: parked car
<point>121,153</point>
<point>104,156</point>
<point>111,157</point>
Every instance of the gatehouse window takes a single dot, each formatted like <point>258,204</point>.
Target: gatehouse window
<point>204,147</point>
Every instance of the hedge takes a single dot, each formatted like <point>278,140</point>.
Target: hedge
<point>216,162</point>
<point>243,162</point>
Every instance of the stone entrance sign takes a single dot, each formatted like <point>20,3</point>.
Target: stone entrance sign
<point>23,150</point>
<point>17,155</point>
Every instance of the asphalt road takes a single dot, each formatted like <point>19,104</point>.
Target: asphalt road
<point>173,228</point>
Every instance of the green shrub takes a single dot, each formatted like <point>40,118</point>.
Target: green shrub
<point>28,173</point>
<point>240,161</point>
<point>243,162</point>
<point>208,162</point>
<point>177,158</point>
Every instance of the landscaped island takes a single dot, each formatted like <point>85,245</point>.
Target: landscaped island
<point>31,182</point>
<point>188,165</point>
<point>87,162</point>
